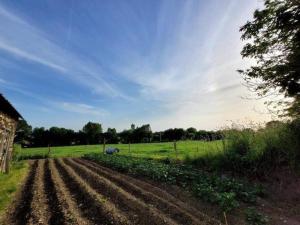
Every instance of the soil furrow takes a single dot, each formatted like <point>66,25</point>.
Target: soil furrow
<point>69,207</point>
<point>81,192</point>
<point>40,212</point>
<point>57,216</point>
<point>92,205</point>
<point>155,191</point>
<point>139,212</point>
<point>172,210</point>
<point>21,211</point>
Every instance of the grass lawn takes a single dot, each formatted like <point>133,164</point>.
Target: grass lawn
<point>145,150</point>
<point>9,183</point>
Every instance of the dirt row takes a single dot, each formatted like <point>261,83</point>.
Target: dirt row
<point>77,191</point>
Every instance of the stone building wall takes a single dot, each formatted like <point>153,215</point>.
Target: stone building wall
<point>7,133</point>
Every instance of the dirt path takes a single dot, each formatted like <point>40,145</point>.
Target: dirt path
<point>76,191</point>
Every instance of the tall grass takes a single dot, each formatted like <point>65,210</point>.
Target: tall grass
<point>256,151</point>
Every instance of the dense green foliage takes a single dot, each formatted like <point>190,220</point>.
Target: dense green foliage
<point>274,42</point>
<point>10,182</point>
<point>224,191</point>
<point>92,133</point>
<point>256,152</point>
<point>24,131</point>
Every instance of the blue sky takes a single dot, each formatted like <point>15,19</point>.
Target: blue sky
<point>170,63</point>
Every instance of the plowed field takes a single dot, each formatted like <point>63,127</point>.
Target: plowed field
<point>77,191</point>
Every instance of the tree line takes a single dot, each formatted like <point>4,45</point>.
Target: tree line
<point>92,133</point>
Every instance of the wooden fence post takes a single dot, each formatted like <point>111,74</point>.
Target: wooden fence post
<point>175,148</point>
<point>49,150</point>
<point>104,142</point>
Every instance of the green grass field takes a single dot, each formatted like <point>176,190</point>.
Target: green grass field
<point>9,183</point>
<point>164,150</point>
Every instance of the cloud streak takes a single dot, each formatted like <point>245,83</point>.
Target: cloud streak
<point>173,62</point>
<point>82,108</point>
<point>27,42</point>
<point>18,52</point>
<point>186,66</point>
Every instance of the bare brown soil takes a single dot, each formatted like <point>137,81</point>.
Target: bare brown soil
<point>77,191</point>
<point>282,200</point>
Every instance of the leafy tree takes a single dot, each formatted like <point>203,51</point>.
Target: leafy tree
<point>111,136</point>
<point>191,133</point>
<point>132,127</point>
<point>93,132</point>
<point>179,134</point>
<point>274,123</point>
<point>274,42</point>
<point>201,135</point>
<point>142,134</point>
<point>174,134</point>
<point>191,130</point>
<point>40,137</point>
<point>61,136</point>
<point>80,138</point>
<point>125,136</point>
<point>157,136</point>
<point>23,133</point>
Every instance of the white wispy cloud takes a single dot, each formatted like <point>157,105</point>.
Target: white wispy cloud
<point>23,40</point>
<point>186,65</point>
<point>10,16</point>
<point>82,108</point>
<point>20,53</point>
<point>189,69</point>
<point>196,77</point>
<point>51,105</point>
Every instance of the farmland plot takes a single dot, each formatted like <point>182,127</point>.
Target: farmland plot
<point>77,191</point>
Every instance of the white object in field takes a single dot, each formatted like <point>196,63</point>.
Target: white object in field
<point>111,150</point>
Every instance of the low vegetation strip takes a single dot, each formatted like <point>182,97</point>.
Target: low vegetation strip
<point>78,191</point>
<point>10,183</point>
<point>163,150</point>
<point>226,192</point>
<point>22,205</point>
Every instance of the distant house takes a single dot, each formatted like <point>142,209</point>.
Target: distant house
<point>9,118</point>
